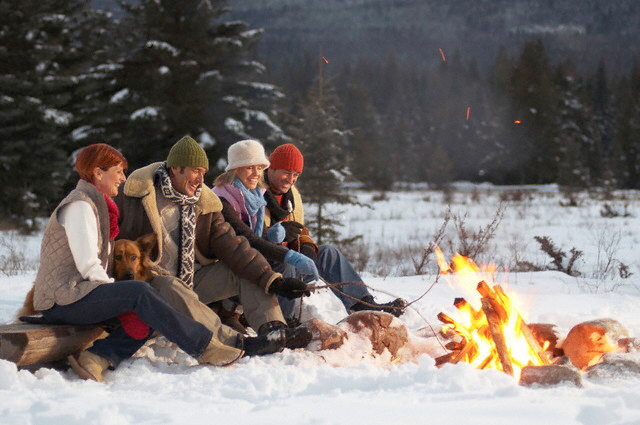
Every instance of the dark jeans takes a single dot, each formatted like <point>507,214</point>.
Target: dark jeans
<point>333,267</point>
<point>110,300</point>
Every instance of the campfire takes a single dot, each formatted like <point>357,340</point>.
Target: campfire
<point>493,334</point>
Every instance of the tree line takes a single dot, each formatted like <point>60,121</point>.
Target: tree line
<point>71,75</point>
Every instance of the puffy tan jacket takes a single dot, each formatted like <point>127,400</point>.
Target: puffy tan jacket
<point>214,238</point>
<point>58,280</point>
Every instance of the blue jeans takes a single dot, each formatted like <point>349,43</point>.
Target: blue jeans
<point>106,302</point>
<point>333,267</point>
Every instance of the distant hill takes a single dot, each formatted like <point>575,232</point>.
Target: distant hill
<point>582,30</point>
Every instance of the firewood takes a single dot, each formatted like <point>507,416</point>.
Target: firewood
<point>485,290</point>
<point>462,304</point>
<point>445,318</point>
<point>455,345</point>
<point>495,327</point>
<point>526,332</point>
<point>446,358</point>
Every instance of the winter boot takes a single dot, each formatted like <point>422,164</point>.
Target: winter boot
<point>89,366</point>
<point>218,354</point>
<point>395,307</point>
<point>273,337</point>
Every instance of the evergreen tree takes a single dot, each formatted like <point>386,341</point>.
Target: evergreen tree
<point>627,130</point>
<point>45,48</point>
<point>534,101</point>
<point>322,141</point>
<point>189,74</point>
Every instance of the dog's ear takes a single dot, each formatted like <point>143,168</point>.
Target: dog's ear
<point>147,243</point>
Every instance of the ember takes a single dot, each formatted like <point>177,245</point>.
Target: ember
<point>492,336</point>
<point>325,59</point>
<point>444,58</point>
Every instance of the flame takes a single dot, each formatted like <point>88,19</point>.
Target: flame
<point>470,325</point>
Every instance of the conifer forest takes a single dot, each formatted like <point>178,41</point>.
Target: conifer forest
<point>373,91</point>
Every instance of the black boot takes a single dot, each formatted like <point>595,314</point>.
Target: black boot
<point>395,307</point>
<point>298,337</point>
<point>267,342</point>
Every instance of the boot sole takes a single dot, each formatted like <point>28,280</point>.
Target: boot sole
<point>80,371</point>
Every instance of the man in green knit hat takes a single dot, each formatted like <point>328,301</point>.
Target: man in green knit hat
<point>199,253</point>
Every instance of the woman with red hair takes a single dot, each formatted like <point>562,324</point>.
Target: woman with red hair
<point>72,285</point>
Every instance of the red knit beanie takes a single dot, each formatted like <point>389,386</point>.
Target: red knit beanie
<point>286,157</point>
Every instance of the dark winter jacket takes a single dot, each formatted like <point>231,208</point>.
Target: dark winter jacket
<point>215,238</point>
<point>233,214</point>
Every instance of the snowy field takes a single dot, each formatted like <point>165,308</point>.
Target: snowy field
<point>350,386</point>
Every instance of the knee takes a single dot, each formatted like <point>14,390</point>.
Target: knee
<point>329,251</point>
<point>135,287</point>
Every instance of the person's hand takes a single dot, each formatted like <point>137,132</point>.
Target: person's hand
<point>309,250</point>
<point>292,229</point>
<point>289,287</point>
<point>276,233</point>
<point>303,264</point>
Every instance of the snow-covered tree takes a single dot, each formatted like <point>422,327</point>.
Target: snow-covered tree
<point>45,48</point>
<point>190,74</point>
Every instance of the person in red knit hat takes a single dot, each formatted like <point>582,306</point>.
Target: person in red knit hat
<point>284,205</point>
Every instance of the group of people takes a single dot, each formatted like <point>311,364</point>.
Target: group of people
<point>244,240</point>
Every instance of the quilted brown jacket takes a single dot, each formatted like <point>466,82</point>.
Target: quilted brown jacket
<point>215,239</point>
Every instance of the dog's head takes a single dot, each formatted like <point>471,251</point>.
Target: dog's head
<point>131,258</point>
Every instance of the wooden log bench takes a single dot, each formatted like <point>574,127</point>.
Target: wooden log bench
<point>28,344</point>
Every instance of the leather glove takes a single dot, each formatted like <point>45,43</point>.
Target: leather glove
<point>303,264</point>
<point>276,233</point>
<point>309,250</point>
<point>289,287</point>
<point>292,230</point>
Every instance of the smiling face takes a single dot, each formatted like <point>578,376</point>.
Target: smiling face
<point>280,181</point>
<point>107,181</point>
<point>250,175</point>
<point>187,180</point>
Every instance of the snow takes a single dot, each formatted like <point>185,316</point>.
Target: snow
<point>145,113</point>
<point>58,117</point>
<point>348,385</point>
<point>119,96</point>
<point>206,140</point>
<point>162,45</point>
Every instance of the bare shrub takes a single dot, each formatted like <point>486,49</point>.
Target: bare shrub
<point>607,265</point>
<point>473,243</point>
<point>421,262</point>
<point>380,196</point>
<point>13,260</point>
<point>356,251</point>
<point>570,197</point>
<point>558,256</point>
<point>608,211</point>
<point>514,196</point>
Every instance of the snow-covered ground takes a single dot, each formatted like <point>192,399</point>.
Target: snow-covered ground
<point>348,385</point>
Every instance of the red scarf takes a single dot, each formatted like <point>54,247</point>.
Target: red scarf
<point>114,213</point>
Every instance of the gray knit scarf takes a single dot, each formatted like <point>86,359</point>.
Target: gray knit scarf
<point>187,224</point>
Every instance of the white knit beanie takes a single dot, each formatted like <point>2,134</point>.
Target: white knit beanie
<point>246,152</point>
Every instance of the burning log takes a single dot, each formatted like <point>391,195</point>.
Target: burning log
<point>495,327</point>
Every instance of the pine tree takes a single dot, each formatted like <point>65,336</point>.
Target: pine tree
<point>534,101</point>
<point>322,142</point>
<point>45,46</point>
<point>189,74</point>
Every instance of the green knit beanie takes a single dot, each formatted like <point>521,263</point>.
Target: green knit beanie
<point>187,153</point>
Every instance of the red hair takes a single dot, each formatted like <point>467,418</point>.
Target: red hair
<point>98,155</point>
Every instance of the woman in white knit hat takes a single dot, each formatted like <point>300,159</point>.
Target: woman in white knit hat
<point>241,188</point>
